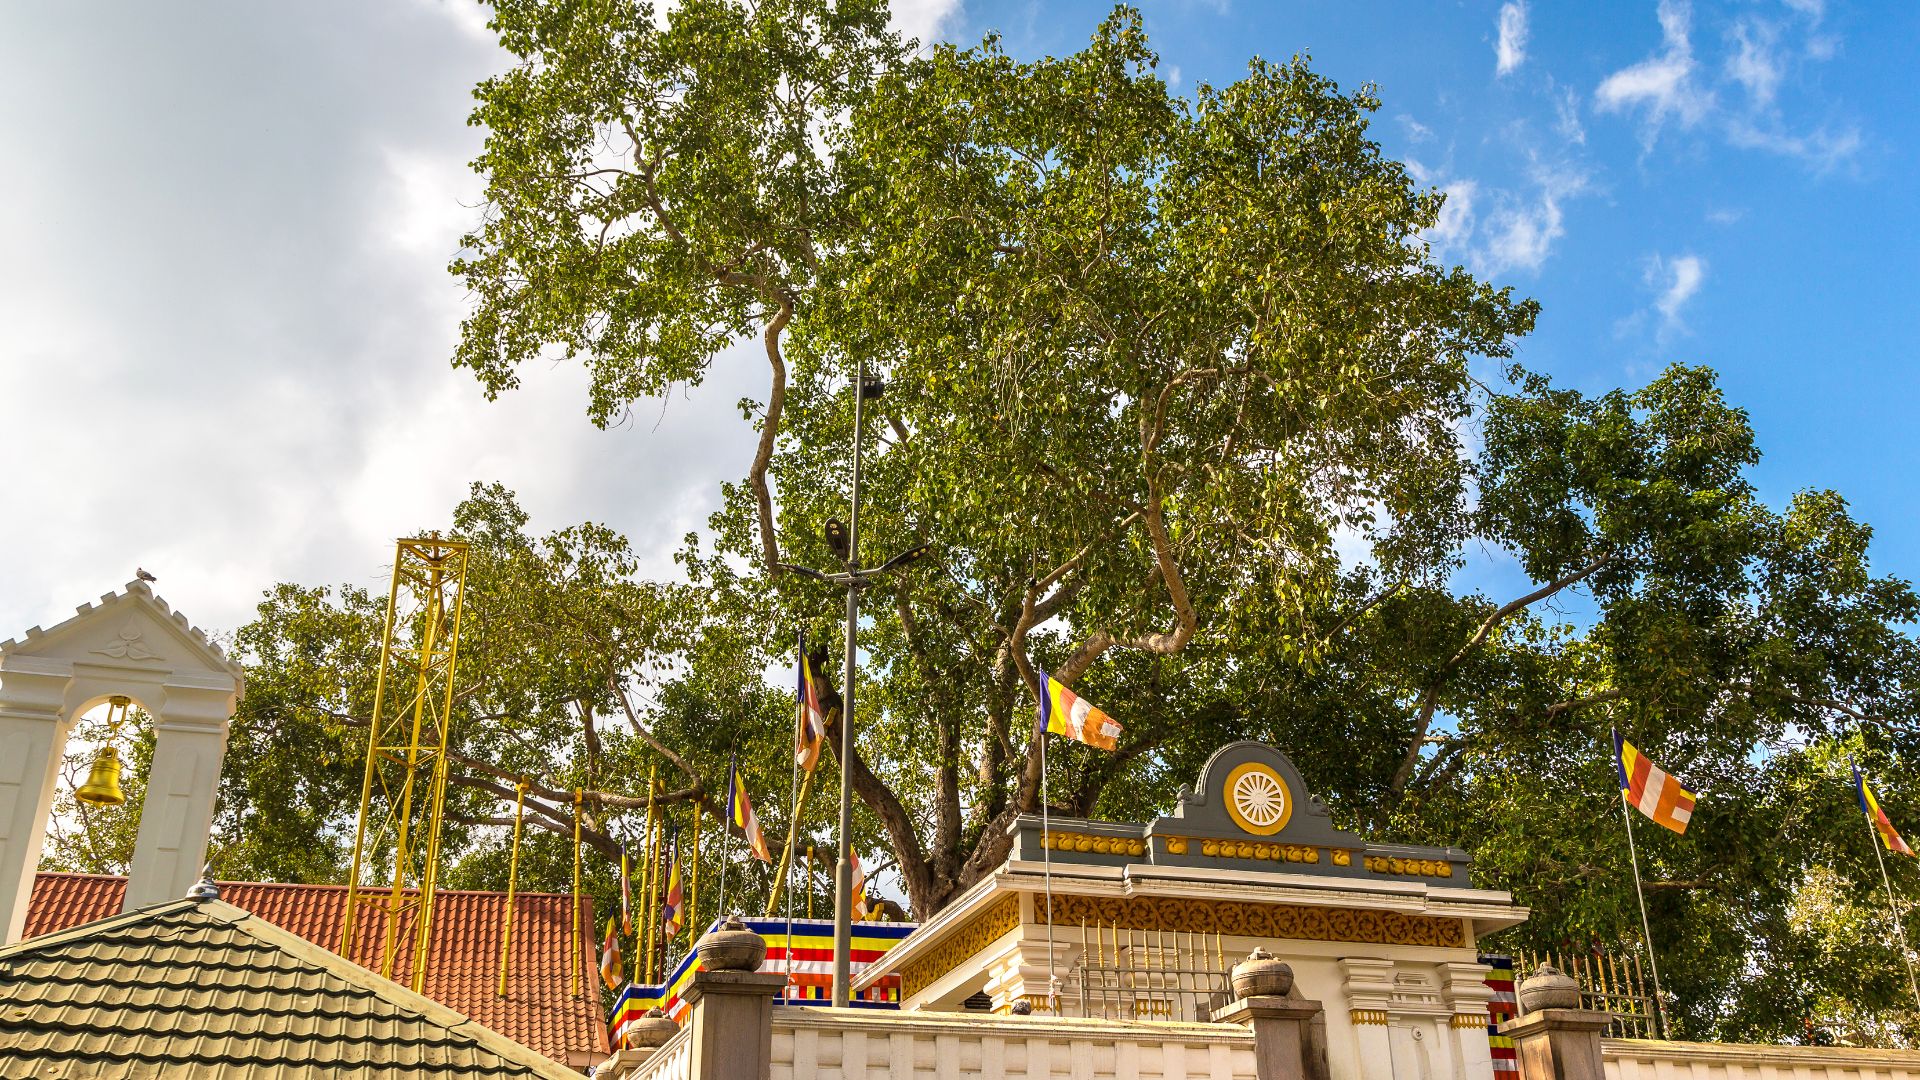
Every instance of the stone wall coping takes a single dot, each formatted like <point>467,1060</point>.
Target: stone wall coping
<point>1014,1027</point>
<point>1757,1054</point>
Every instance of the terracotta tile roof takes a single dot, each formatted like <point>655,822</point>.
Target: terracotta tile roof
<point>202,988</point>
<point>539,1009</point>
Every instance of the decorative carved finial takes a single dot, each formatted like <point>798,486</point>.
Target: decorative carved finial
<point>1549,988</point>
<point>1260,975</point>
<point>204,889</point>
<point>732,947</point>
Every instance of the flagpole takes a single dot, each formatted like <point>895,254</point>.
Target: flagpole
<point>726,830</point>
<point>1893,909</point>
<point>693,883</point>
<point>1646,929</point>
<point>652,834</point>
<point>1046,873</point>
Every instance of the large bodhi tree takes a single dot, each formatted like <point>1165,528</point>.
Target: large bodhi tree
<point>1147,356</point>
<point>1177,392</point>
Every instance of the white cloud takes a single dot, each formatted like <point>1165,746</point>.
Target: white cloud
<point>1455,226</point>
<point>1520,234</point>
<point>1824,149</point>
<point>253,386</point>
<point>923,19</point>
<point>1566,121</point>
<point>1678,279</point>
<point>1499,230</point>
<point>1510,51</point>
<point>1756,62</point>
<point>1416,131</point>
<point>1661,87</point>
<point>1726,215</point>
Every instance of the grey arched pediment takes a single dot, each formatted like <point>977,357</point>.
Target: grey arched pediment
<point>1249,790</point>
<point>1249,812</point>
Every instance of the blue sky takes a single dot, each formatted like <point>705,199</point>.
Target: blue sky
<point>1718,183</point>
<point>224,230</point>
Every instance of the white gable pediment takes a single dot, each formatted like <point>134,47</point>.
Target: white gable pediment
<point>132,632</point>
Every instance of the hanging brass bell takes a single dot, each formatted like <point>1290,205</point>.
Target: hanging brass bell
<point>103,780</point>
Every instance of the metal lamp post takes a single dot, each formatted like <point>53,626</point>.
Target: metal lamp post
<point>854,579</point>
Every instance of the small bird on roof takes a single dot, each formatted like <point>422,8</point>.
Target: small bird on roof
<point>143,575</point>
<point>837,539</point>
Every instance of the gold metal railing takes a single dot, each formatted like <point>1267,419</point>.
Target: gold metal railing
<point>1608,983</point>
<point>1126,974</point>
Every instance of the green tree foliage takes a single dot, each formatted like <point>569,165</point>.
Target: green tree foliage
<point>1183,402</point>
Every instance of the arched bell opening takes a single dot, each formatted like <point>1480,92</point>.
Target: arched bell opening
<point>101,790</point>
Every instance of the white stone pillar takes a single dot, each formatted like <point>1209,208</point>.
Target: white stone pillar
<point>189,737</point>
<point>33,742</point>
<point>1464,987</point>
<point>1369,987</point>
<point>1021,974</point>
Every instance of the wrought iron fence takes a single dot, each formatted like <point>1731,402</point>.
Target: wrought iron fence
<point>1608,983</point>
<point>1127,974</point>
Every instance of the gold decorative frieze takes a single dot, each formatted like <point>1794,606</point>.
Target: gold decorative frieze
<point>1098,845</point>
<point>1385,864</point>
<point>985,928</point>
<point>1298,921</point>
<point>1368,1016</point>
<point>1470,1020</point>
<point>1342,857</point>
<point>1246,849</point>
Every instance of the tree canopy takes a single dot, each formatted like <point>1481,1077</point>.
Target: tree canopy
<point>1194,421</point>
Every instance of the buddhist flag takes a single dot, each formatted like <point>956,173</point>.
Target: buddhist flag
<point>626,895</point>
<point>859,888</point>
<point>1066,713</point>
<point>1648,789</point>
<point>670,904</point>
<point>812,727</point>
<point>612,971</point>
<point>1870,806</point>
<point>740,813</point>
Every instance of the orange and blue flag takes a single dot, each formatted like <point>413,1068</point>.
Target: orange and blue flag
<point>1067,713</point>
<point>859,887</point>
<point>740,813</point>
<point>1870,806</point>
<point>671,914</point>
<point>811,730</point>
<point>612,971</point>
<point>1648,789</point>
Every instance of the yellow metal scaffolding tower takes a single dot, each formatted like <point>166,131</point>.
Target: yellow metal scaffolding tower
<point>406,778</point>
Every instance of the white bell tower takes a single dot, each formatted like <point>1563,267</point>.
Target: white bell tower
<point>129,643</point>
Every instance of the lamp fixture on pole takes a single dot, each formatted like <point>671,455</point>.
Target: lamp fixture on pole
<point>845,543</point>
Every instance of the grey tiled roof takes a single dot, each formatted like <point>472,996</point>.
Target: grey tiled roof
<point>203,989</point>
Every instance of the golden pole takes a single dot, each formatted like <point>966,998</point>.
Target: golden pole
<point>658,870</point>
<point>513,883</point>
<point>646,886</point>
<point>809,881</point>
<point>786,856</point>
<point>574,939</point>
<point>693,884</point>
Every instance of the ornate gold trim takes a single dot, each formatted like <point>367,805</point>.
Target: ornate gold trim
<point>999,919</point>
<point>1470,1020</point>
<point>1255,770</point>
<point>1176,845</point>
<point>1393,864</point>
<point>1298,921</point>
<point>1098,845</point>
<point>1368,1016</point>
<point>1342,857</point>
